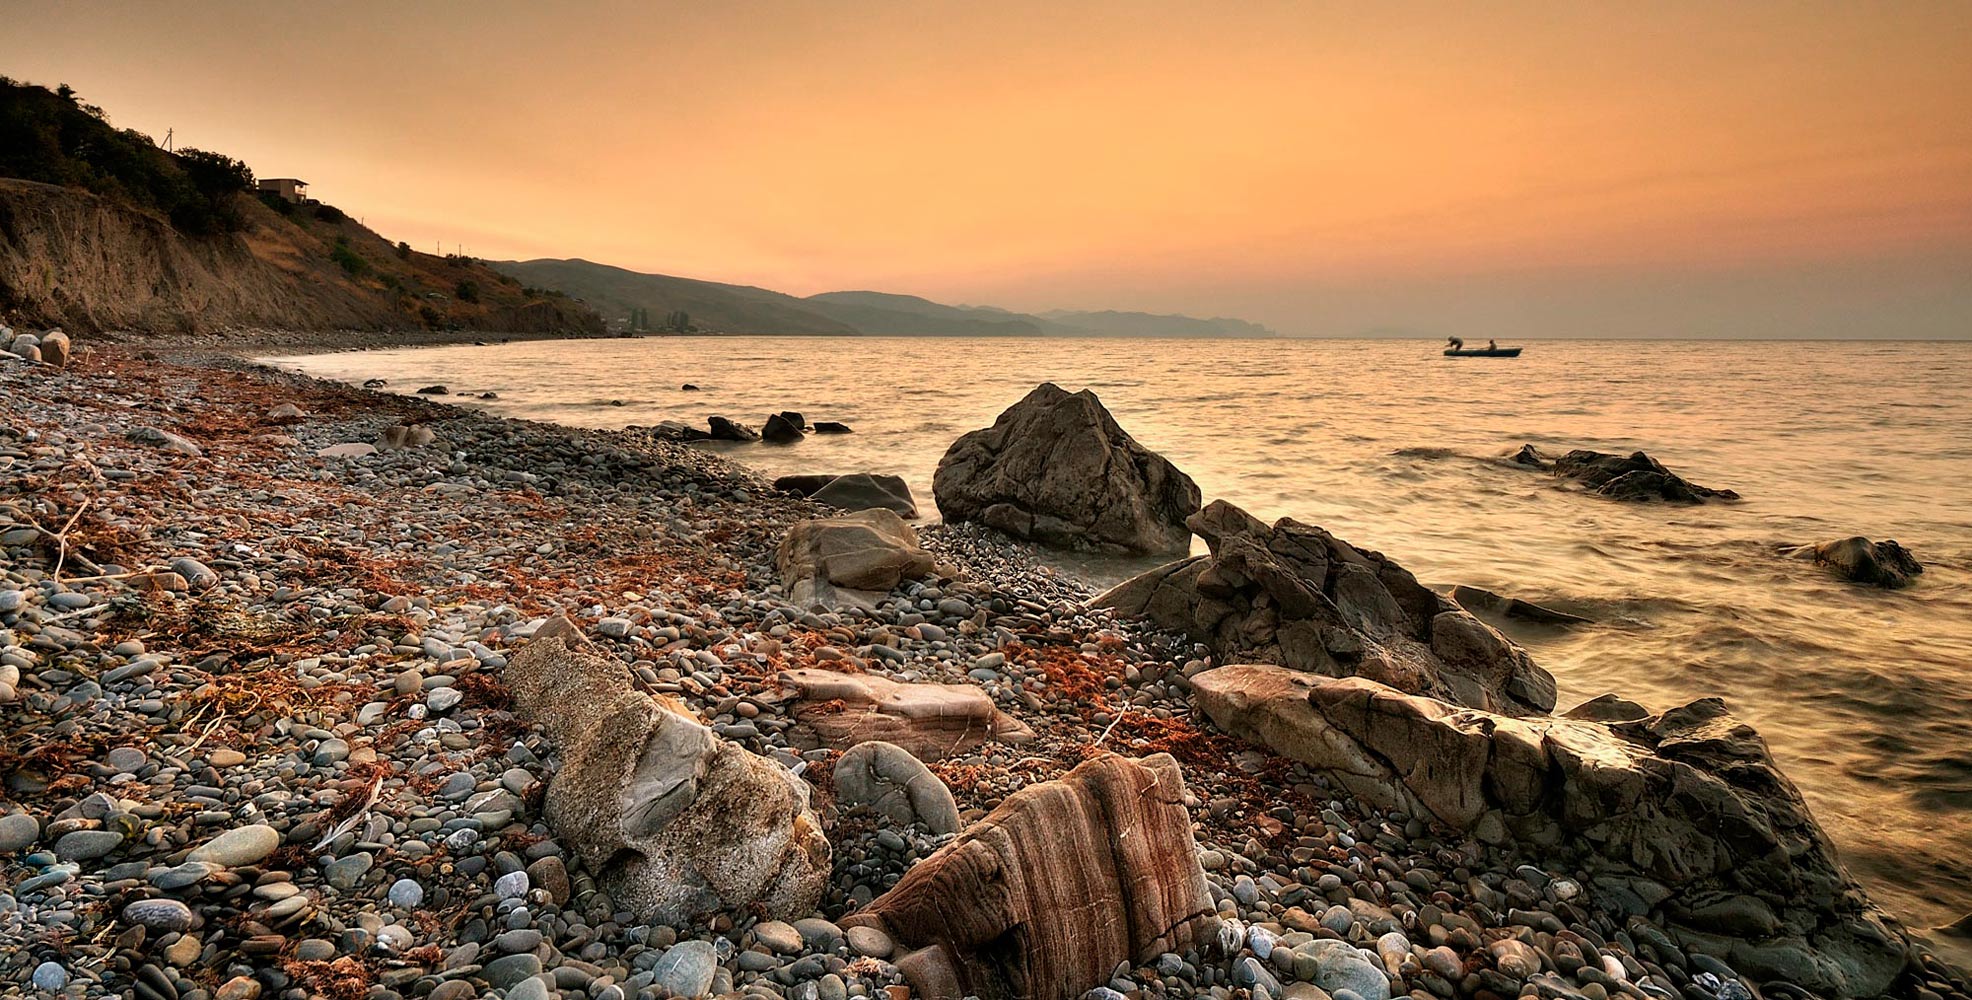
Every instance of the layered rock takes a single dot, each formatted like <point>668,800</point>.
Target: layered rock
<point>929,721</point>
<point>1042,898</point>
<point>1685,809</point>
<point>851,560</point>
<point>675,822</point>
<point>1859,560</point>
<point>1056,469</point>
<point>1636,476</point>
<point>1295,595</point>
<point>855,491</point>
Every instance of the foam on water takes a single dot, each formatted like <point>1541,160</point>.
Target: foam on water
<point>1862,694</point>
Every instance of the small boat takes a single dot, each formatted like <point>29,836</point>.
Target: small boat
<point>1482,352</point>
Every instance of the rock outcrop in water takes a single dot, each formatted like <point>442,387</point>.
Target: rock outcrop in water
<point>675,821</point>
<point>1859,560</point>
<point>1636,476</point>
<point>1480,601</point>
<point>1295,595</point>
<point>1056,469</point>
<point>1684,810</point>
<point>1045,896</point>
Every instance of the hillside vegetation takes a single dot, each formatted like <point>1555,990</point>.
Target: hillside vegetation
<point>100,230</point>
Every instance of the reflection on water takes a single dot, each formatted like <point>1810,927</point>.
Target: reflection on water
<point>1862,694</point>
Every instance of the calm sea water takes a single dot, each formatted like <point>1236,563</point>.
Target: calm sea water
<point>1863,694</point>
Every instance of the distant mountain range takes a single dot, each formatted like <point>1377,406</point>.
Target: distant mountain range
<point>714,307</point>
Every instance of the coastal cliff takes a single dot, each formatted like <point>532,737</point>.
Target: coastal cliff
<point>89,263</point>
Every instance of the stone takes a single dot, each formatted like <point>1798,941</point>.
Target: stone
<point>1688,800</point>
<point>870,942</point>
<point>832,427</point>
<point>1857,559</point>
<point>159,914</point>
<point>434,390</point>
<point>239,988</point>
<point>55,348</point>
<point>728,430</point>
<point>929,721</point>
<point>285,413</point>
<point>887,779</point>
<point>165,440</point>
<point>1044,896</point>
<point>347,873</point>
<point>352,449</point>
<point>406,436</point>
<point>50,977</point>
<point>1636,476</point>
<point>1056,468</point>
<point>851,560</point>
<point>226,757</point>
<point>780,430</point>
<point>406,893</point>
<point>1295,595</point>
<point>18,831</point>
<point>508,970</point>
<point>674,821</point>
<point>243,845</point>
<point>87,845</point>
<point>687,968</point>
<point>778,935</point>
<point>853,492</point>
<point>551,876</point>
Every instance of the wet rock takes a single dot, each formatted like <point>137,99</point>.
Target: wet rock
<point>1051,890</point>
<point>887,779</point>
<point>1485,602</point>
<point>928,721</point>
<point>1688,799</point>
<point>1295,595</point>
<point>851,560</point>
<point>780,429</point>
<point>832,427</point>
<point>1056,469</point>
<point>676,822</point>
<point>1857,559</point>
<point>722,429</point>
<point>1636,476</point>
<point>434,390</point>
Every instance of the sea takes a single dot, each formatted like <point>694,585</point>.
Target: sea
<point>1864,695</point>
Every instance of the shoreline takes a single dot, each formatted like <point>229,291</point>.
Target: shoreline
<point>348,630</point>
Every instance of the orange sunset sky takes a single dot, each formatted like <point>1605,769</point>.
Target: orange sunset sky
<point>1486,169</point>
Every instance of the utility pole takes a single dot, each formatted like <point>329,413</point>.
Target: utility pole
<point>167,138</point>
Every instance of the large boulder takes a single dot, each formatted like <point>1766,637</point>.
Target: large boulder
<point>1687,802</point>
<point>1636,476</point>
<point>886,778</point>
<point>850,560</point>
<point>1056,469</point>
<point>783,428</point>
<point>930,721</point>
<point>722,429</point>
<point>1859,560</point>
<point>1295,595</point>
<point>55,348</point>
<point>674,821</point>
<point>855,491</point>
<point>1046,895</point>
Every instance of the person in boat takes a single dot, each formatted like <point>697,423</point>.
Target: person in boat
<point>1456,344</point>
<point>1492,346</point>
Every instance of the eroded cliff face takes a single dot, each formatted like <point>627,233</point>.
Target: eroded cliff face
<point>72,259</point>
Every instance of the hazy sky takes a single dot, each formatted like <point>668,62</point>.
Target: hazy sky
<point>1486,169</point>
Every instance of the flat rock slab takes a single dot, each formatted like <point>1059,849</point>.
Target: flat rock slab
<point>929,721</point>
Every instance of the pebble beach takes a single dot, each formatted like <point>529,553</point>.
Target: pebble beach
<point>258,744</point>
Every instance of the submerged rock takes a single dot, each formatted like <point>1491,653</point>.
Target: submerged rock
<point>1633,477</point>
<point>851,560</point>
<point>1044,897</point>
<point>1688,801</point>
<point>1484,602</point>
<point>929,721</point>
<point>1295,595</point>
<point>1055,468</point>
<point>1859,560</point>
<point>675,822</point>
<point>722,429</point>
<point>783,428</point>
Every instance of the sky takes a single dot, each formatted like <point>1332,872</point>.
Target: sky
<point>1510,170</point>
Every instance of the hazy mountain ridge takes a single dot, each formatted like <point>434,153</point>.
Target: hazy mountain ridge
<point>716,307</point>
